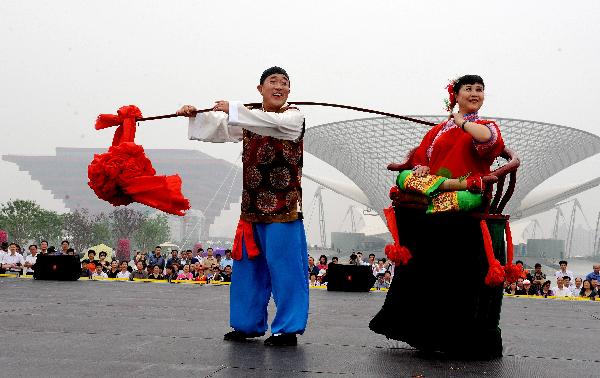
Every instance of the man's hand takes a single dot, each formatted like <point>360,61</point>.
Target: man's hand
<point>187,110</point>
<point>221,106</point>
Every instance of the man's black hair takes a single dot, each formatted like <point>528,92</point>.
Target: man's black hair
<point>91,251</point>
<point>563,262</point>
<point>519,261</point>
<point>538,265</point>
<point>466,80</point>
<point>65,241</point>
<point>44,241</point>
<point>158,246</point>
<point>32,245</point>
<point>272,71</point>
<point>566,277</point>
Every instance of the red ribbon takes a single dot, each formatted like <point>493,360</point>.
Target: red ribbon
<point>124,174</point>
<point>244,232</point>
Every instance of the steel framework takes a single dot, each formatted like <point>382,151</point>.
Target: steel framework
<point>362,148</point>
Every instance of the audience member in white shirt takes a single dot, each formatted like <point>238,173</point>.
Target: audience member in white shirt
<point>13,261</point>
<point>30,259</point>
<point>563,271</point>
<point>561,290</point>
<point>124,273</point>
<point>99,273</point>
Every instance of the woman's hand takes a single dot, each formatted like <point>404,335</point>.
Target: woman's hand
<point>458,118</point>
<point>187,110</point>
<point>421,170</point>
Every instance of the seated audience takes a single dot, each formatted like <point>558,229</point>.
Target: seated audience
<point>528,288</point>
<point>216,275</point>
<point>114,269</point>
<point>174,258</point>
<point>185,275</point>
<point>226,274</point>
<point>30,260</point>
<point>157,258</point>
<point>102,261</point>
<point>227,260</point>
<point>156,275</point>
<point>594,274</point>
<point>511,289</point>
<point>123,273</point>
<point>587,291</point>
<point>170,273</point>
<point>140,272</point>
<point>560,290</point>
<point>12,262</point>
<point>312,268</point>
<point>209,262</point>
<point>575,289</point>
<point>312,280</point>
<point>322,262</point>
<point>99,272</point>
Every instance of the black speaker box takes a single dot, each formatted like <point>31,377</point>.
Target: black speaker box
<point>57,267</point>
<point>349,278</point>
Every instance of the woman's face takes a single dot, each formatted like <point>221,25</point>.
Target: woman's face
<point>470,98</point>
<point>323,260</point>
<point>586,285</point>
<point>186,268</point>
<point>113,264</point>
<point>156,270</point>
<point>546,286</point>
<point>513,286</point>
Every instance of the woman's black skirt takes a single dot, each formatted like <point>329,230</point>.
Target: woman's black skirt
<point>439,301</point>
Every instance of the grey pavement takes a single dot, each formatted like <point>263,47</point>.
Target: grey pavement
<point>127,329</point>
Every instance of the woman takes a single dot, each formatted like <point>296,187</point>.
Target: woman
<point>124,273</point>
<point>587,291</point>
<point>545,291</point>
<point>446,179</point>
<point>186,274</point>
<point>322,262</point>
<point>511,289</point>
<point>155,275</point>
<point>102,261</point>
<point>114,269</point>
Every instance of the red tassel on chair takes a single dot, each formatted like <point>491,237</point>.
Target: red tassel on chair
<point>495,275</point>
<point>397,253</point>
<point>511,271</point>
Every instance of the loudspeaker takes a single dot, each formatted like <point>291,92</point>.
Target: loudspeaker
<point>349,277</point>
<point>57,267</point>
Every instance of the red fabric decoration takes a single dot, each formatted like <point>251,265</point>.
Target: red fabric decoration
<point>244,232</point>
<point>399,254</point>
<point>495,275</point>
<point>451,96</point>
<point>512,271</point>
<point>124,174</point>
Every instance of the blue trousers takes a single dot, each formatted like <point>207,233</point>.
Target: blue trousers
<point>281,270</point>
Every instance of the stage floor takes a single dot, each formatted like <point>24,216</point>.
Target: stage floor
<point>96,328</point>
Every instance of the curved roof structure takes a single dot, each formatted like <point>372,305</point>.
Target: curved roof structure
<point>362,148</point>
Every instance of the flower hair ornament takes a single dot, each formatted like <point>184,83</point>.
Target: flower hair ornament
<point>451,100</point>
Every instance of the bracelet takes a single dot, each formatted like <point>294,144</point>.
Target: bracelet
<point>462,126</point>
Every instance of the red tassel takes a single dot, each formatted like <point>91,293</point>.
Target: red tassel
<point>244,231</point>
<point>396,252</point>
<point>512,271</point>
<point>495,275</point>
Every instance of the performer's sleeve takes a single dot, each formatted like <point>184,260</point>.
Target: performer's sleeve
<point>493,147</point>
<point>213,127</point>
<point>287,125</point>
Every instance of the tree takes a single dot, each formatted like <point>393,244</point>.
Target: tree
<point>124,222</point>
<point>152,232</point>
<point>25,220</point>
<point>79,229</point>
<point>102,232</point>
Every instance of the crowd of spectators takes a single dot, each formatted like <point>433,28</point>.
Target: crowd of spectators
<point>565,284</point>
<point>206,266</point>
<point>185,265</point>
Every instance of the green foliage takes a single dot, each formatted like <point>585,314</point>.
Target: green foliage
<point>152,232</point>
<point>25,220</point>
<point>80,228</point>
<point>124,222</point>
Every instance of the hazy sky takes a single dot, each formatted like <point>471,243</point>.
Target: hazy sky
<point>64,62</point>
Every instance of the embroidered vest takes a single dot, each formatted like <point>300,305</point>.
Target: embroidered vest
<point>272,190</point>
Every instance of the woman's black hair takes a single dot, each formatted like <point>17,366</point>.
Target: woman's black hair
<point>466,80</point>
<point>323,256</point>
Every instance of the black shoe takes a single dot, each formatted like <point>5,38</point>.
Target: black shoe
<point>239,336</point>
<point>284,339</point>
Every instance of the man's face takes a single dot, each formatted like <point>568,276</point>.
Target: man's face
<point>156,270</point>
<point>228,269</point>
<point>209,252</point>
<point>578,282</point>
<point>388,276</point>
<point>334,260</point>
<point>538,269</point>
<point>275,91</point>
<point>12,249</point>
<point>566,281</point>
<point>157,252</point>
<point>123,266</point>
<point>99,269</point>
<point>44,246</point>
<point>91,256</point>
<point>563,267</point>
<point>33,250</point>
<point>371,259</point>
<point>560,282</point>
<point>519,282</point>
<point>174,254</point>
<point>64,246</point>
<point>113,264</point>
<point>597,268</point>
<point>189,254</point>
<point>227,255</point>
<point>311,261</point>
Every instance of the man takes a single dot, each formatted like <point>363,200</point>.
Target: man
<point>99,272</point>
<point>563,271</point>
<point>30,260</point>
<point>227,260</point>
<point>140,272</point>
<point>12,262</point>
<point>312,268</point>
<point>157,258</point>
<point>381,283</point>
<point>270,248</point>
<point>123,273</point>
<point>538,278</point>
<point>64,247</point>
<point>560,290</point>
<point>595,274</point>
<point>371,261</point>
<point>226,274</point>
<point>209,261</point>
<point>528,290</point>
<point>334,260</point>
<point>174,258</point>
<point>43,247</point>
